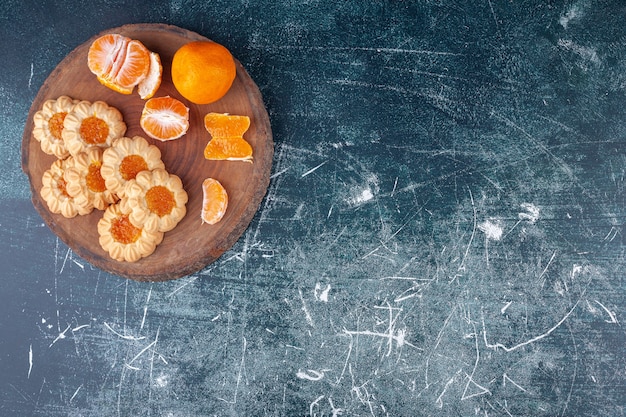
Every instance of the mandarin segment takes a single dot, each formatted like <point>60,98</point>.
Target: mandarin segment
<point>227,142</point>
<point>214,201</point>
<point>149,86</point>
<point>104,52</point>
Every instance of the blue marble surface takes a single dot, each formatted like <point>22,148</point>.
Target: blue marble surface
<point>443,234</point>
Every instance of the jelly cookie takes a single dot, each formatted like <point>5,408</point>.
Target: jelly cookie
<point>92,124</point>
<point>54,191</point>
<point>48,125</point>
<point>85,182</point>
<point>122,240</point>
<point>125,159</point>
<point>155,200</point>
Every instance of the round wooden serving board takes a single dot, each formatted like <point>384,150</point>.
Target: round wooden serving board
<point>191,245</point>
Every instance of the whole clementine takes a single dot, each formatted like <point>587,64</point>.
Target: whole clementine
<point>203,71</point>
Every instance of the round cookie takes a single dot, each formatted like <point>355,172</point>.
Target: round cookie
<point>85,182</point>
<point>125,159</point>
<point>92,124</point>
<point>48,125</point>
<point>155,200</point>
<point>122,240</point>
<point>54,191</point>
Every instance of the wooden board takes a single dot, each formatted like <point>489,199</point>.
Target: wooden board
<point>191,245</point>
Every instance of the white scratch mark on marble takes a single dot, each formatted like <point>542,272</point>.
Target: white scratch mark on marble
<point>547,266</point>
<point>312,170</point>
<point>60,336</point>
<point>493,14</point>
<point>177,290</point>
<point>346,362</point>
<point>470,379</point>
<point>506,306</point>
<point>392,335</point>
<point>305,309</point>
<point>496,346</point>
<point>437,341</point>
<point>32,72</point>
<point>80,265</point>
<point>145,309</point>
<point>364,396</point>
<point>613,319</point>
<point>67,254</point>
<point>439,400</point>
<point>294,347</point>
<point>333,409</point>
<point>119,392</point>
<point>144,350</point>
<point>123,336</point>
<point>505,378</point>
<point>469,244</point>
<point>240,373</point>
<point>540,145</point>
<point>75,393</point>
<point>612,234</point>
<point>77,328</point>
<point>30,360</point>
<point>314,404</point>
<point>364,48</point>
<point>310,374</point>
<point>278,173</point>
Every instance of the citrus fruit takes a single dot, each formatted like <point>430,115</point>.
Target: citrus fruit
<point>164,118</point>
<point>149,86</point>
<point>214,201</point>
<point>122,63</point>
<point>203,71</point>
<point>227,142</point>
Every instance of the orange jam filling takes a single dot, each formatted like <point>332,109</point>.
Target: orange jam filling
<point>131,166</point>
<point>94,180</point>
<point>55,124</point>
<point>94,130</point>
<point>123,231</point>
<point>61,185</point>
<point>160,200</point>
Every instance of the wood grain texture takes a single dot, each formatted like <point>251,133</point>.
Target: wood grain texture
<point>191,245</point>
